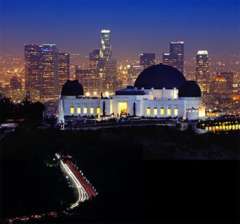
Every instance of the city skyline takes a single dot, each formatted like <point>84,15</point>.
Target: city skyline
<point>98,96</point>
<point>75,26</point>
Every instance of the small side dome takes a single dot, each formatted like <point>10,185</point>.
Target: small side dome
<point>190,89</point>
<point>72,88</point>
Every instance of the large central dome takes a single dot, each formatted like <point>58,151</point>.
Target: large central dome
<point>159,77</point>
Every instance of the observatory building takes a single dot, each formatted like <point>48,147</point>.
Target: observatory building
<point>160,91</point>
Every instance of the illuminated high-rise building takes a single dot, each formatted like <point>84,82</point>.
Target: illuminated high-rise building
<point>175,56</point>
<point>49,72</point>
<point>63,68</point>
<point>46,70</point>
<point>228,76</point>
<point>111,75</point>
<point>106,48</point>
<point>202,70</point>
<point>94,58</point>
<point>93,85</point>
<point>147,59</point>
<point>166,58</point>
<point>32,72</point>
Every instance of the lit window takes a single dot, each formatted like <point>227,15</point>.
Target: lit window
<point>122,108</point>
<point>176,112</point>
<point>155,111</point>
<point>98,111</point>
<point>79,110</point>
<point>85,110</point>
<point>162,111</point>
<point>148,111</point>
<point>91,110</point>
<point>72,110</point>
<point>175,94</point>
<point>169,112</point>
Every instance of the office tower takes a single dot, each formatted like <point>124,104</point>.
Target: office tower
<point>93,85</point>
<point>32,73</point>
<point>49,72</point>
<point>228,77</point>
<point>46,70</point>
<point>202,70</point>
<point>63,68</point>
<point>111,75</point>
<point>147,59</point>
<point>167,59</point>
<point>175,56</point>
<point>75,59</point>
<point>222,85</point>
<point>94,58</point>
<point>105,49</point>
<point>218,86</point>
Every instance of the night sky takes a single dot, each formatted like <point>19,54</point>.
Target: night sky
<point>137,25</point>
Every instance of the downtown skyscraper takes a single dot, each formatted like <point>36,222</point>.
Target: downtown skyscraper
<point>105,48</point>
<point>175,56</point>
<point>147,59</point>
<point>107,66</point>
<point>49,72</point>
<point>94,57</point>
<point>63,68</point>
<point>46,70</point>
<point>202,70</point>
<point>32,73</point>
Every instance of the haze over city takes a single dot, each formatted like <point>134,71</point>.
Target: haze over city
<point>137,26</point>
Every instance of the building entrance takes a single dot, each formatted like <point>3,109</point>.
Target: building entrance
<point>122,108</point>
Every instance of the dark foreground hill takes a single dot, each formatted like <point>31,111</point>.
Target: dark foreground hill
<point>125,165</point>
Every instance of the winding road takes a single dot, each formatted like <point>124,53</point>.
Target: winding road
<point>85,190</point>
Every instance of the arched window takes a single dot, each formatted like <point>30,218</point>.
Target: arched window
<point>162,112</point>
<point>85,110</point>
<point>169,112</point>
<point>155,111</point>
<point>98,111</point>
<point>79,110</point>
<point>148,111</point>
<point>176,112</point>
<point>91,110</point>
<point>72,110</point>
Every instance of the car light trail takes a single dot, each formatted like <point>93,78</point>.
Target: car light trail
<point>82,194</point>
<point>84,189</point>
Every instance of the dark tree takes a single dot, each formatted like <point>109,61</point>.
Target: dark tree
<point>25,110</point>
<point>7,109</point>
<point>32,111</point>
